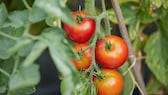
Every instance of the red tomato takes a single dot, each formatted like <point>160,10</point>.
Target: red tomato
<point>83,30</point>
<point>111,84</point>
<point>112,53</point>
<point>86,56</point>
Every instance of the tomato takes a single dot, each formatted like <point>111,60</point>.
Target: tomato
<point>85,58</point>
<point>83,30</point>
<point>111,84</point>
<point>113,53</point>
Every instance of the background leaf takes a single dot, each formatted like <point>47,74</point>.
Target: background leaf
<point>36,15</point>
<point>153,87</point>
<point>129,12</point>
<point>6,65</point>
<point>18,18</point>
<point>25,77</point>
<point>23,91</point>
<point>3,13</point>
<point>56,8</point>
<point>59,48</point>
<point>157,59</point>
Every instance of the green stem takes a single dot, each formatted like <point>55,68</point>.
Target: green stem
<point>26,4</point>
<point>107,23</point>
<point>26,31</point>
<point>4,72</point>
<point>90,7</point>
<point>75,53</point>
<point>93,53</point>
<point>8,36</point>
<point>17,59</point>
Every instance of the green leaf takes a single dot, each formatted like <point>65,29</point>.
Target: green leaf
<point>132,29</point>
<point>23,91</point>
<point>165,4</point>
<point>25,77</point>
<point>36,15</point>
<point>157,57</point>
<point>59,51</point>
<point>156,3</point>
<point>18,18</point>
<point>6,43</point>
<point>128,82</point>
<point>36,51</point>
<point>3,13</point>
<point>153,87</point>
<point>90,7</point>
<point>56,8</point>
<point>128,11</point>
<point>2,89</point>
<point>50,21</point>
<point>23,46</point>
<point>7,66</point>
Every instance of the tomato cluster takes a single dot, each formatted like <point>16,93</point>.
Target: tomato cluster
<point>111,52</point>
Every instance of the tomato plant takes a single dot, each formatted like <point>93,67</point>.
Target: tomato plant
<point>111,84</point>
<point>83,30</point>
<point>84,56</point>
<point>111,52</point>
<point>31,28</point>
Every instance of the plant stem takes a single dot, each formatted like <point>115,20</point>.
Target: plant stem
<point>8,36</point>
<point>124,34</point>
<point>93,53</point>
<point>4,72</point>
<point>17,59</point>
<point>26,4</point>
<point>26,31</point>
<point>90,7</point>
<point>107,23</point>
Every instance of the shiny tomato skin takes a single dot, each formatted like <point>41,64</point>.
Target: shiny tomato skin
<point>111,84</point>
<point>86,58</point>
<point>83,30</point>
<point>113,57</point>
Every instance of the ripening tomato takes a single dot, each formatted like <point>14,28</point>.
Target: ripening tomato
<point>85,55</point>
<point>111,84</point>
<point>83,30</point>
<point>111,53</point>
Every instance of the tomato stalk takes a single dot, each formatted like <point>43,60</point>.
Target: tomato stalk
<point>107,23</point>
<point>79,18</point>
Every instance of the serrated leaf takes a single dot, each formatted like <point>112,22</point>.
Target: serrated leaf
<point>56,8</point>
<point>25,77</point>
<point>3,13</point>
<point>36,15</point>
<point>18,18</point>
<point>157,59</point>
<point>128,82</point>
<point>59,53</point>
